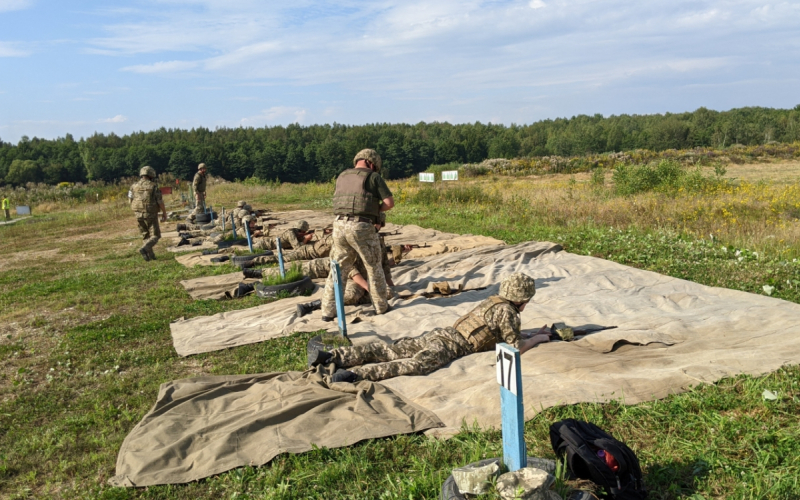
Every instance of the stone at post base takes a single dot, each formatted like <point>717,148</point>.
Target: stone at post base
<point>534,483</point>
<point>474,479</point>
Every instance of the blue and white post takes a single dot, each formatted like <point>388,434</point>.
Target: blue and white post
<point>338,292</point>
<point>249,239</point>
<point>279,249</point>
<point>509,376</point>
<point>233,226</point>
<point>223,220</point>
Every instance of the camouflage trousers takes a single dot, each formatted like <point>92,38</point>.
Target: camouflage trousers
<point>200,203</point>
<point>352,240</point>
<point>305,252</point>
<point>149,229</point>
<point>265,243</point>
<point>410,356</point>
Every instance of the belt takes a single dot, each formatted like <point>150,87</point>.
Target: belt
<point>356,218</point>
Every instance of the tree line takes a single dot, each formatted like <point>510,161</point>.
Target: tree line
<point>298,153</point>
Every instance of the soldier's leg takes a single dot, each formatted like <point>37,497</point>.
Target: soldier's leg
<point>317,268</point>
<point>346,256</point>
<point>441,346</point>
<point>377,352</point>
<point>264,259</point>
<point>367,243</point>
<point>155,230</point>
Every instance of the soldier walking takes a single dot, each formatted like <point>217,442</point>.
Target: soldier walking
<point>496,319</point>
<point>145,202</point>
<point>360,197</point>
<point>6,209</point>
<point>199,186</point>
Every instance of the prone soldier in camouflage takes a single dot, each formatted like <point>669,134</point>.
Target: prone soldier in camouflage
<point>315,249</point>
<point>496,319</point>
<point>145,202</point>
<point>199,186</point>
<point>361,195</point>
<point>295,238</point>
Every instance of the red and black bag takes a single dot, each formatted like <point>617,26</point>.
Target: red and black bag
<point>593,454</point>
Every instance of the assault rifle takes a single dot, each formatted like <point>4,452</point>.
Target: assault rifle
<point>559,331</point>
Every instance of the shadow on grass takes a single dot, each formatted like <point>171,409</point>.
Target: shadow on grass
<point>675,479</point>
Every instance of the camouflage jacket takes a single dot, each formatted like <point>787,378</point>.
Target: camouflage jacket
<point>494,320</point>
<point>199,183</point>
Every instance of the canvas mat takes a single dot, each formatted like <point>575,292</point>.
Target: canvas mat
<point>671,333</point>
<point>431,241</point>
<point>207,425</point>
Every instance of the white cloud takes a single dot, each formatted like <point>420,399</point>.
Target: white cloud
<point>161,67</point>
<point>277,114</point>
<point>10,49</point>
<point>115,119</point>
<point>537,4</point>
<point>9,5</point>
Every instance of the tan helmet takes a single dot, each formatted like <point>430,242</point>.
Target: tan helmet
<point>517,287</point>
<point>148,171</point>
<point>300,225</point>
<point>370,155</point>
<point>247,208</point>
<point>241,203</point>
<point>201,166</point>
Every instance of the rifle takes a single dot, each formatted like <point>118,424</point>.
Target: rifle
<point>390,233</point>
<point>568,334</point>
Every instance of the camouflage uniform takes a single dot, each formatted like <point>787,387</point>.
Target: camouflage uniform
<point>146,201</point>
<point>496,319</point>
<point>199,186</point>
<point>289,240</point>
<point>313,250</point>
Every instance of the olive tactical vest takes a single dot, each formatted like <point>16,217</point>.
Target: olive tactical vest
<point>351,196</point>
<point>144,197</point>
<point>474,328</point>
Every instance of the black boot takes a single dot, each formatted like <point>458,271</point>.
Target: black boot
<point>145,255</point>
<point>253,273</point>
<point>303,309</point>
<point>344,376</point>
<point>151,254</point>
<point>181,227</point>
<point>247,264</point>
<point>322,358</point>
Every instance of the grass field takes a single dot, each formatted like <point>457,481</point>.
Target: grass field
<point>84,339</point>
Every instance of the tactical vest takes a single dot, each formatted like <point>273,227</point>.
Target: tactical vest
<point>473,327</point>
<point>144,197</point>
<point>351,196</point>
<point>199,183</point>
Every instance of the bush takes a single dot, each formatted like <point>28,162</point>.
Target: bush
<point>457,194</point>
<point>294,273</point>
<point>665,176</point>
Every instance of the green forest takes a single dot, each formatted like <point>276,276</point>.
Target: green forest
<point>298,153</point>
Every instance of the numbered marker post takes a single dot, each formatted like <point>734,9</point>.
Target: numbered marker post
<point>509,376</point>
<point>249,240</point>
<point>233,226</point>
<point>336,271</point>
<point>223,220</point>
<point>279,249</point>
<point>211,211</point>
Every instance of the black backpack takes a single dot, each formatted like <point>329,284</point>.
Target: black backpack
<point>580,441</point>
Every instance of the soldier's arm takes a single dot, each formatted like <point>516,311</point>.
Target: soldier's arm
<point>507,320</point>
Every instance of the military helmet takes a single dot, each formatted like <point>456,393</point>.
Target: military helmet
<point>247,207</point>
<point>517,287</point>
<point>300,225</point>
<point>201,166</point>
<point>148,171</point>
<point>370,155</point>
<point>241,203</point>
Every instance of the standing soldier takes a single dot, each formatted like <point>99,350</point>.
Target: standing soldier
<point>199,186</point>
<point>6,209</point>
<point>145,202</point>
<point>360,197</point>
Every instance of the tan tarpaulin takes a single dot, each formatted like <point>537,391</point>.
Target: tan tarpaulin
<point>671,333</point>
<point>432,242</point>
<point>215,287</point>
<point>207,425</point>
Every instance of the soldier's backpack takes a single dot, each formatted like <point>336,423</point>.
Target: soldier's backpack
<point>583,444</point>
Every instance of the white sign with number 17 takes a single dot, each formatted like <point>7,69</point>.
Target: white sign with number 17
<point>506,371</point>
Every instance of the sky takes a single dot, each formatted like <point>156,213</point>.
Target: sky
<point>87,66</point>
